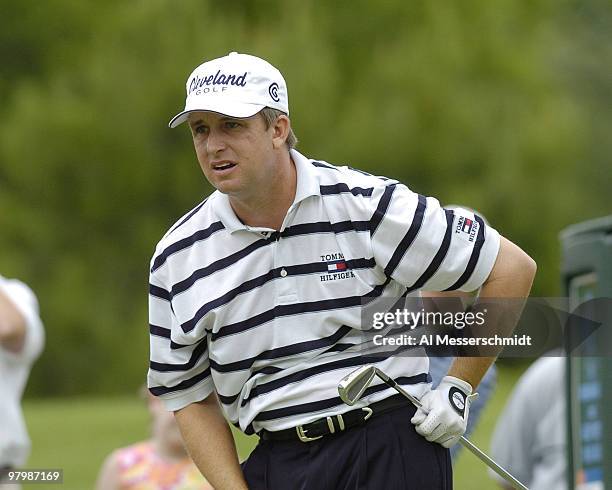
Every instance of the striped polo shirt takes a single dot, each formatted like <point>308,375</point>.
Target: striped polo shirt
<point>271,319</point>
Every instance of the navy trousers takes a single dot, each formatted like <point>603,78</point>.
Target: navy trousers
<point>385,453</point>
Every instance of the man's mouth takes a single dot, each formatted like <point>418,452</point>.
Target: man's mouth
<point>223,166</point>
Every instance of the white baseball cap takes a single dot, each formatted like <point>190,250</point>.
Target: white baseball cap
<point>236,85</point>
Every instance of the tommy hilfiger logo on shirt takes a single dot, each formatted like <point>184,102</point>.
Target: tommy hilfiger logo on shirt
<point>467,227</point>
<point>336,267</point>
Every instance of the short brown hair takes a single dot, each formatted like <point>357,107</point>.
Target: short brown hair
<point>269,116</point>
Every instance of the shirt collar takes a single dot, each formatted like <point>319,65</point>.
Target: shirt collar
<point>307,186</point>
<point>307,181</point>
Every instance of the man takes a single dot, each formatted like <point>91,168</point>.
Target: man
<point>256,294</point>
<point>21,342</point>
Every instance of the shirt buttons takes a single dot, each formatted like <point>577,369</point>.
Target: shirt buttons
<point>283,273</point>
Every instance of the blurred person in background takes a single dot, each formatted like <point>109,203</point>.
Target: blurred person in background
<point>530,437</point>
<point>21,342</point>
<point>159,463</point>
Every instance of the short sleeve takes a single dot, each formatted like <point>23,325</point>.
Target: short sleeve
<point>27,304</point>
<point>179,367</point>
<point>424,246</point>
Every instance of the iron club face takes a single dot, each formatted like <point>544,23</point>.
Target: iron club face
<point>352,386</point>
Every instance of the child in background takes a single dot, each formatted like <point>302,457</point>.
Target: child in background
<point>160,463</point>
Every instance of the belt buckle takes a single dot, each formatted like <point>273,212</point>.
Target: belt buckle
<point>301,432</point>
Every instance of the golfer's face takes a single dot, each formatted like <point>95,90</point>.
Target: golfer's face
<point>235,154</point>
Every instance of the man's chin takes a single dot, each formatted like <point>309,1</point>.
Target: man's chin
<point>228,188</point>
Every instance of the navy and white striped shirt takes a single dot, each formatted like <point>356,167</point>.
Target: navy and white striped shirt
<point>271,320</point>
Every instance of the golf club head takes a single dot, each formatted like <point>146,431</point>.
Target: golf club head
<point>352,386</point>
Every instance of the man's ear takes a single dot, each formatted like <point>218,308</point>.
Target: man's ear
<point>280,131</point>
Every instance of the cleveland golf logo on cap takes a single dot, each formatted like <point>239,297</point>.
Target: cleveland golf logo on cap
<point>207,83</point>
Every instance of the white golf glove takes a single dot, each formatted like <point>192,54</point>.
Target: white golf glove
<point>444,412</point>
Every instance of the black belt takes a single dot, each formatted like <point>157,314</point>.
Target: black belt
<point>335,423</point>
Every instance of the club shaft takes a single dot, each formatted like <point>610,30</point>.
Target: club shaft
<point>468,444</point>
<point>492,464</point>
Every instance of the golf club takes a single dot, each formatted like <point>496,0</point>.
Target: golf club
<point>353,385</point>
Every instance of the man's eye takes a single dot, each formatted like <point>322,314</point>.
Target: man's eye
<point>200,129</point>
<point>231,124</point>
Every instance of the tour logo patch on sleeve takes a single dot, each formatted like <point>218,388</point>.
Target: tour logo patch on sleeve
<point>467,228</point>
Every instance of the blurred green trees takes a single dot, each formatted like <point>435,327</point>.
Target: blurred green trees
<point>502,106</point>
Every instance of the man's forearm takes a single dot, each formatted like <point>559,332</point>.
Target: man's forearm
<point>210,443</point>
<point>510,279</point>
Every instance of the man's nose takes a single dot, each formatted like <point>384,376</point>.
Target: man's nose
<point>215,142</point>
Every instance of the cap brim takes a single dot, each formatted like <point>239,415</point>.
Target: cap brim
<point>232,109</point>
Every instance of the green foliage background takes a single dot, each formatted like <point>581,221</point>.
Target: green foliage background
<point>503,106</point>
